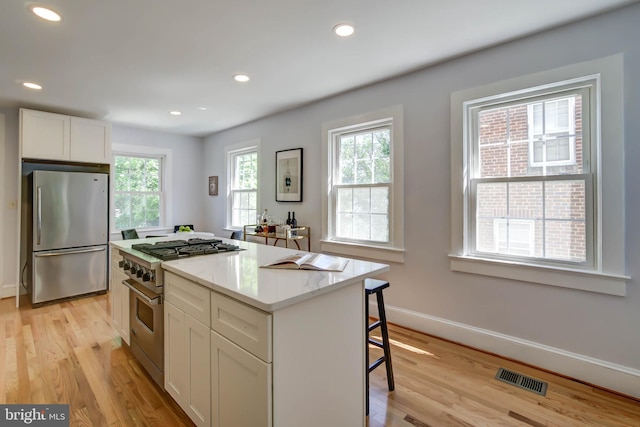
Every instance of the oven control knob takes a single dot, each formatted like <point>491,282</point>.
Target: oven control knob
<point>134,269</point>
<point>146,276</point>
<point>126,266</point>
<point>121,263</point>
<point>140,272</point>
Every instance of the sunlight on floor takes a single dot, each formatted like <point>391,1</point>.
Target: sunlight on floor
<point>405,346</point>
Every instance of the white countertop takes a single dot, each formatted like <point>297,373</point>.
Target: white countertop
<point>238,274</point>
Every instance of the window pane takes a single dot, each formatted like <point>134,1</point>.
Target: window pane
<point>122,211</point>
<point>363,171</point>
<point>361,227</point>
<point>152,211</point>
<point>380,200</point>
<point>346,153</point>
<point>364,146</point>
<point>344,225</point>
<point>525,199</point>
<point>345,200</point>
<point>380,228</point>
<point>361,200</point>
<point>565,240</point>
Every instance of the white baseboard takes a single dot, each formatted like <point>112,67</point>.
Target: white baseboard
<point>605,374</point>
<point>7,291</point>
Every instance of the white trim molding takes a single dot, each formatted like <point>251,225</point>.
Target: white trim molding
<point>584,368</point>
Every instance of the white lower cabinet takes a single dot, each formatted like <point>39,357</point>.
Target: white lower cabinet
<point>240,386</point>
<point>187,363</point>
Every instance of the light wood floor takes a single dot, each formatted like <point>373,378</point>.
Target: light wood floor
<point>68,353</point>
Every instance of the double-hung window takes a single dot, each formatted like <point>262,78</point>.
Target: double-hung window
<point>535,197</point>
<point>137,191</point>
<point>363,170</point>
<point>531,176</point>
<point>242,167</point>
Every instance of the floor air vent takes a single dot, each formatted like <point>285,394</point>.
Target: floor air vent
<point>522,381</point>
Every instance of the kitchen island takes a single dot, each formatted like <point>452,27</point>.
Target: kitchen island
<point>250,346</point>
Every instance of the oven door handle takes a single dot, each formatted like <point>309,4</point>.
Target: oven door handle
<point>155,300</point>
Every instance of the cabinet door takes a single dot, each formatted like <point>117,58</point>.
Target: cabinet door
<point>198,347</point>
<point>176,373</point>
<point>240,386</point>
<point>90,141</point>
<point>44,135</point>
<point>120,304</point>
<point>124,310</point>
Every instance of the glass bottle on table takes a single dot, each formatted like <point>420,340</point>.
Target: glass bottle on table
<point>289,218</point>
<point>294,221</point>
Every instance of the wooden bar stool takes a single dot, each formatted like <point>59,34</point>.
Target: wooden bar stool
<point>375,286</point>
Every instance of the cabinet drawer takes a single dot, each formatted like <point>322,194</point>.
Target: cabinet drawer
<point>188,296</point>
<point>246,326</point>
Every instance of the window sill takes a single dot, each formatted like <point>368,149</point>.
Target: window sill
<point>591,281</point>
<point>363,251</point>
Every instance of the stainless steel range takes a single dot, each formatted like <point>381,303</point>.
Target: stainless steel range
<point>146,279</point>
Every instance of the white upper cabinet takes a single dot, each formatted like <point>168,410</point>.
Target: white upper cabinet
<point>90,141</point>
<point>50,136</point>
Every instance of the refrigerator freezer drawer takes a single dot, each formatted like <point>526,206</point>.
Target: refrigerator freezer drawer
<point>70,272</point>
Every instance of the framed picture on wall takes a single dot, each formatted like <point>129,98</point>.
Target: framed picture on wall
<point>289,175</point>
<point>213,185</point>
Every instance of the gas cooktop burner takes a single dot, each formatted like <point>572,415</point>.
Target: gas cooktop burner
<point>174,249</point>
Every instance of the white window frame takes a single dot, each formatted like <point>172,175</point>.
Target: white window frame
<point>606,274</point>
<point>393,250</point>
<point>165,182</point>
<point>230,152</point>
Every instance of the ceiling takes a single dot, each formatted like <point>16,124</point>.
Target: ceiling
<point>131,62</point>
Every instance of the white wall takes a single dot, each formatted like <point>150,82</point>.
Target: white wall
<point>590,336</point>
<point>8,218</point>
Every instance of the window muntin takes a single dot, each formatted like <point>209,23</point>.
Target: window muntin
<point>362,188</point>
<point>137,191</point>
<point>531,163</point>
<point>244,187</point>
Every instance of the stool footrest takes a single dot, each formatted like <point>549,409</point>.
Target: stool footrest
<point>374,325</point>
<point>376,343</point>
<point>377,363</point>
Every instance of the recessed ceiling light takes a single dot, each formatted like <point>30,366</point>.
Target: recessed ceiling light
<point>31,85</point>
<point>45,13</point>
<point>175,113</point>
<point>343,30</point>
<point>241,78</point>
<point>202,108</point>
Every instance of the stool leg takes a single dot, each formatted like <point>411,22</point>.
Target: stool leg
<point>385,341</point>
<point>366,346</point>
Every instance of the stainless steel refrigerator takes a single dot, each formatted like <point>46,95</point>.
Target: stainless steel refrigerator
<point>68,234</point>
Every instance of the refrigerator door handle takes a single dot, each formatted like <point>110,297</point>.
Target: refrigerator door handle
<point>39,214</point>
<point>81,251</point>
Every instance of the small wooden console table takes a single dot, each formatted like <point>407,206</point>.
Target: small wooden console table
<point>300,233</point>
